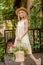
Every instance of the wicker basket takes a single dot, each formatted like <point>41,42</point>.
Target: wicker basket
<point>19,56</point>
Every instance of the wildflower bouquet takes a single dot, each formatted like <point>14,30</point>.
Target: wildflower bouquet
<point>19,52</point>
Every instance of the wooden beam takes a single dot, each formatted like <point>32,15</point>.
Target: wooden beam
<point>29,4</point>
<point>42,13</point>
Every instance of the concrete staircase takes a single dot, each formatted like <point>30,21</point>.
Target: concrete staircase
<point>28,61</point>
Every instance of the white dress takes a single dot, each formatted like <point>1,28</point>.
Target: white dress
<point>25,40</point>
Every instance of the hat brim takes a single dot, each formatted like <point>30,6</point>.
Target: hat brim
<point>21,8</point>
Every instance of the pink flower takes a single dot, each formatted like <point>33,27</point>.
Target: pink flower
<point>13,45</point>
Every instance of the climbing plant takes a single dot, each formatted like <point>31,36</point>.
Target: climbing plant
<point>35,19</point>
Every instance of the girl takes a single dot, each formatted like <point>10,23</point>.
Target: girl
<point>22,33</point>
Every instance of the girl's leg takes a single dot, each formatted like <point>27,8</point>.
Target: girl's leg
<point>22,63</point>
<point>37,61</point>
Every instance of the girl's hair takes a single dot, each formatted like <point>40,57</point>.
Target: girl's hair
<point>19,18</point>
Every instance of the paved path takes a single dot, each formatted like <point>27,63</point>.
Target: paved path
<point>1,63</point>
<point>28,61</point>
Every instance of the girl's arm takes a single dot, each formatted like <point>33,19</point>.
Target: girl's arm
<point>26,28</point>
<point>16,31</point>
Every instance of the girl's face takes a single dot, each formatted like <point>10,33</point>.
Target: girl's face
<point>22,14</point>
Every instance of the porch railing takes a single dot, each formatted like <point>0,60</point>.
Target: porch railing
<point>39,33</point>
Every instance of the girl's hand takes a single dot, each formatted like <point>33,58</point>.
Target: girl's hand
<point>19,39</point>
<point>12,46</point>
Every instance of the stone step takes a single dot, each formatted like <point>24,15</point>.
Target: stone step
<point>1,63</point>
<point>28,60</point>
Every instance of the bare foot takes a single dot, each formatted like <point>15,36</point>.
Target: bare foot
<point>38,62</point>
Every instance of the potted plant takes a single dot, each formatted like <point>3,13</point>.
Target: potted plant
<point>19,52</point>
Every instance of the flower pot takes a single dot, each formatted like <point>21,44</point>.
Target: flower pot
<point>19,56</point>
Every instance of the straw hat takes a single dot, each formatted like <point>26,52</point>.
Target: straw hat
<point>21,8</point>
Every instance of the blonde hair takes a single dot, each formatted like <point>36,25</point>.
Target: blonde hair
<point>25,17</point>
